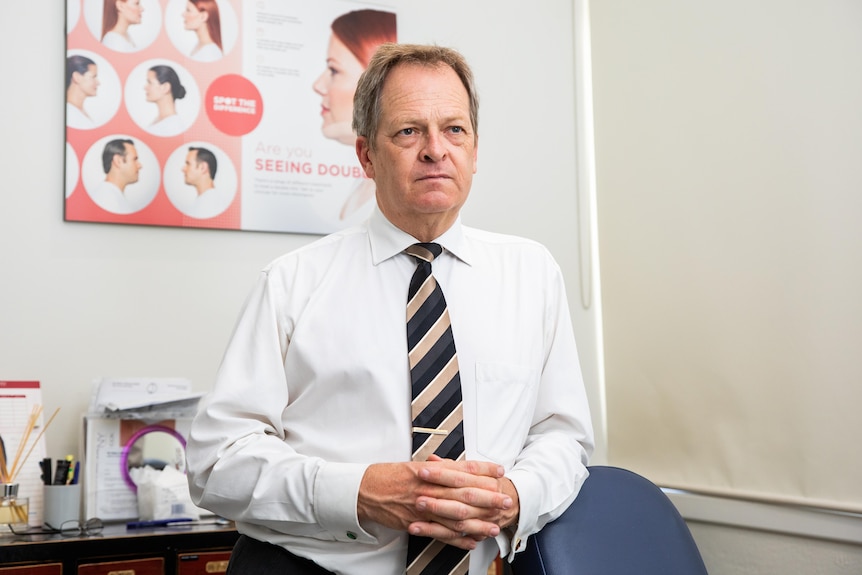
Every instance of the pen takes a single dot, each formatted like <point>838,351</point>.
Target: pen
<point>61,472</point>
<point>157,522</point>
<point>71,472</point>
<point>46,466</point>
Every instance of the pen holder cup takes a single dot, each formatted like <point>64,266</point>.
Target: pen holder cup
<point>62,503</point>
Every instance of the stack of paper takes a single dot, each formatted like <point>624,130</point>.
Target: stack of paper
<point>143,398</point>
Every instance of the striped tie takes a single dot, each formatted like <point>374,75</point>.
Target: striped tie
<point>436,408</point>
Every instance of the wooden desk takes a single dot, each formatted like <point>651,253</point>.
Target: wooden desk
<point>176,550</point>
<point>179,550</point>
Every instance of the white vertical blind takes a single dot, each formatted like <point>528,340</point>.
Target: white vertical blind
<point>729,183</point>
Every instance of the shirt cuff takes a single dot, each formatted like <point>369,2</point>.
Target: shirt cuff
<point>336,491</point>
<point>513,539</point>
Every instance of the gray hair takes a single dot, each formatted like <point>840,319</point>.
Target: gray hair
<point>366,101</point>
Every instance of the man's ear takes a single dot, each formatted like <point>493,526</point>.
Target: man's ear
<point>365,155</point>
<point>476,154</point>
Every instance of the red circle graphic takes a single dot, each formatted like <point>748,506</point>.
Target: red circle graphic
<point>234,105</point>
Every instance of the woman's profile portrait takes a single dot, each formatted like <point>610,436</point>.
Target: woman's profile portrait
<point>162,97</point>
<point>202,17</point>
<point>354,38</point>
<point>93,90</point>
<point>82,82</point>
<point>164,88</point>
<point>117,17</point>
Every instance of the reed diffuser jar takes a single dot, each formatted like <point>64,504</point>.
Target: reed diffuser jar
<point>14,510</point>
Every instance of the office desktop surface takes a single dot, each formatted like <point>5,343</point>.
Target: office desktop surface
<point>174,547</point>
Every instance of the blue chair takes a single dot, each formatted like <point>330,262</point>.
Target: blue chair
<point>619,524</point>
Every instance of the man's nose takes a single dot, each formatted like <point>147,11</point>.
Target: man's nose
<point>434,149</point>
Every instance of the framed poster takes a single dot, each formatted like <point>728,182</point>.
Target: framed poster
<point>227,114</point>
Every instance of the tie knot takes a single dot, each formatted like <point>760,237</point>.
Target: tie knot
<point>425,252</point>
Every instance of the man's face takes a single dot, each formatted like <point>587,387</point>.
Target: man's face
<point>425,147</point>
<point>191,168</point>
<point>130,165</point>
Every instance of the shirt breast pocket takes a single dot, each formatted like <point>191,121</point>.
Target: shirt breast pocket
<point>505,400</point>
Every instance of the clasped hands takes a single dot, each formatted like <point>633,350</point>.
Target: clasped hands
<point>457,502</point>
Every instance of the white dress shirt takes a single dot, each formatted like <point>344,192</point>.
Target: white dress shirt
<point>315,386</point>
<point>210,203</point>
<point>207,53</point>
<point>77,118</point>
<point>119,43</point>
<point>111,198</point>
<point>168,126</point>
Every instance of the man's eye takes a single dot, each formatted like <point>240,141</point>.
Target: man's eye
<point>407,132</point>
<point>457,129</point>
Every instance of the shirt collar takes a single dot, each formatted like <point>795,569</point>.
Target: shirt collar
<point>387,240</point>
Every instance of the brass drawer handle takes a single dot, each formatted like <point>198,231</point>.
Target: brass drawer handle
<point>216,567</point>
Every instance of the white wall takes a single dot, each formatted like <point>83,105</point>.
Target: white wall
<point>79,301</point>
<point>727,95</point>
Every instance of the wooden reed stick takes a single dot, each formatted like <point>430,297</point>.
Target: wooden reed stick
<point>20,513</point>
<point>15,469</point>
<point>31,423</point>
<point>4,473</point>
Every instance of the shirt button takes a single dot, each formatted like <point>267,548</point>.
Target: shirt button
<point>351,535</point>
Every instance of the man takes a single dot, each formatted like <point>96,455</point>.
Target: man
<point>306,439</point>
<point>199,169</point>
<point>122,167</point>
<point>199,172</point>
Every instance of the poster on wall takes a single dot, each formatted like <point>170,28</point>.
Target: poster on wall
<point>225,114</point>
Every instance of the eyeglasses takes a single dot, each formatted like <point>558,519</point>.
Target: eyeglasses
<point>73,528</point>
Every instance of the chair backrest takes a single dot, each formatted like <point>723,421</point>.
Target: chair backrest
<point>619,524</point>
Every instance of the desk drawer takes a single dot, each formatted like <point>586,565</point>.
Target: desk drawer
<point>207,563</point>
<point>42,569</point>
<point>153,566</point>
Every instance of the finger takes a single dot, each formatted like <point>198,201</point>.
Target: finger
<point>443,529</point>
<point>439,509</point>
<point>449,476</point>
<point>486,496</point>
<point>471,466</point>
<point>481,468</point>
<point>445,534</point>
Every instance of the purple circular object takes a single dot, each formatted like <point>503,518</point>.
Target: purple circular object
<point>124,459</point>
